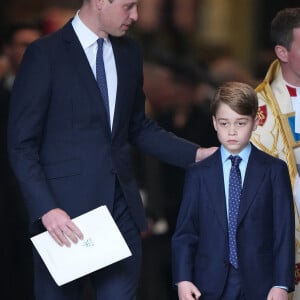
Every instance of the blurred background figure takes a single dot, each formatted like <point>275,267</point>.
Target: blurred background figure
<point>16,38</point>
<point>55,16</point>
<point>15,252</point>
<point>226,68</point>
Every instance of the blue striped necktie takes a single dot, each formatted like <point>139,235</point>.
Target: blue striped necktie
<point>235,188</point>
<point>101,76</point>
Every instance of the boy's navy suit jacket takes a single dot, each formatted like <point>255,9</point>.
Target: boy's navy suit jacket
<point>59,140</point>
<point>265,233</point>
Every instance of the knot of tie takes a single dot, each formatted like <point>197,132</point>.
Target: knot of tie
<point>235,160</point>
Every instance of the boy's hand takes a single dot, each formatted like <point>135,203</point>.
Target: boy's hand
<point>188,291</point>
<point>277,293</point>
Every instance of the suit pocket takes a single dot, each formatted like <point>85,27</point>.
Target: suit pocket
<point>62,169</point>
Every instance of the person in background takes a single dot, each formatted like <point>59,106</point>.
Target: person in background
<point>234,238</point>
<point>77,106</point>
<point>16,251</point>
<point>278,131</point>
<point>188,119</point>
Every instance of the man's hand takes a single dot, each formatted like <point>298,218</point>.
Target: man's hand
<point>205,152</point>
<point>188,291</point>
<point>277,293</point>
<point>61,227</point>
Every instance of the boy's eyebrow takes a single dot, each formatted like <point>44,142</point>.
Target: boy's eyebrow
<point>238,119</point>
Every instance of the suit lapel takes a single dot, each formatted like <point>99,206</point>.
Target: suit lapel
<point>215,188</point>
<point>83,69</point>
<point>121,59</point>
<point>255,173</point>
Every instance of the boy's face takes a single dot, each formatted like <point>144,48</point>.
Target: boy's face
<point>233,130</point>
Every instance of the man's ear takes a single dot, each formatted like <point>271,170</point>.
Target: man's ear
<point>282,53</point>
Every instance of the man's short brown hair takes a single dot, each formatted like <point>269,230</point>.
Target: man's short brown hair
<point>282,26</point>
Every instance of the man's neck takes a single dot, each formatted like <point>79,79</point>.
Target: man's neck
<point>290,77</point>
<point>86,15</point>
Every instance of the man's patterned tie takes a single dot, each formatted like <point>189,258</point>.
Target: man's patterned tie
<point>101,76</point>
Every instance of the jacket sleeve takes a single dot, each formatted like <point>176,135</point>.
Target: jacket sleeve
<point>284,229</point>
<point>151,138</point>
<point>185,238</point>
<point>28,110</point>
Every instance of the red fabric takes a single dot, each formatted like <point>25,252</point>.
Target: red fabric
<point>262,115</point>
<point>292,91</point>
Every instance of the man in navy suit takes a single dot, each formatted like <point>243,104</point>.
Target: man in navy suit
<point>259,262</point>
<point>71,154</point>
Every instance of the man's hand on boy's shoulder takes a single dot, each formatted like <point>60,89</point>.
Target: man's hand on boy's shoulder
<point>277,293</point>
<point>187,291</point>
<point>202,153</point>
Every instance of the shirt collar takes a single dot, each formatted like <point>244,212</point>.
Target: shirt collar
<point>292,89</point>
<point>86,36</point>
<point>244,154</point>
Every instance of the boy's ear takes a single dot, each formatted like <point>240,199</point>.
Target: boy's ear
<point>256,122</point>
<point>214,122</point>
<point>282,53</point>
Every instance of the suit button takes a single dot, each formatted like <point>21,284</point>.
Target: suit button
<point>226,263</point>
<point>113,171</point>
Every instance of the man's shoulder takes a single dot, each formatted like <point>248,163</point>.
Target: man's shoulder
<point>272,73</point>
<point>273,85</point>
<point>66,33</point>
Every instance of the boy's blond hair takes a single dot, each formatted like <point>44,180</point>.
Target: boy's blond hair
<point>240,97</point>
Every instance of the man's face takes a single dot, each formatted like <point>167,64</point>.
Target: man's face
<point>21,39</point>
<point>117,16</point>
<point>292,65</point>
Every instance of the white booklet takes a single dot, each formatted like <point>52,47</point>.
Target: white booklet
<point>101,246</point>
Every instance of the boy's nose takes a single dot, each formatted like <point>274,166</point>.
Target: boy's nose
<point>232,130</point>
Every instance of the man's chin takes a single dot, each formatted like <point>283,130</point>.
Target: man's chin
<point>119,33</point>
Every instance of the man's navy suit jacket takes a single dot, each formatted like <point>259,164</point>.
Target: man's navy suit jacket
<point>60,143</point>
<point>265,232</point>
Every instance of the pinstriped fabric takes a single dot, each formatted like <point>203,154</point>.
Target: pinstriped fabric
<point>101,76</point>
<point>235,188</point>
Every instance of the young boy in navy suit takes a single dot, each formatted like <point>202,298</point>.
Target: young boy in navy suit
<point>234,237</point>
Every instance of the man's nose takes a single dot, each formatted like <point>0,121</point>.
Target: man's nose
<point>134,15</point>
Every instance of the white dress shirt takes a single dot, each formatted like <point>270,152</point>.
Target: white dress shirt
<point>88,40</point>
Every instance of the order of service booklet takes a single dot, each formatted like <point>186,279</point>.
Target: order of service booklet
<point>102,245</point>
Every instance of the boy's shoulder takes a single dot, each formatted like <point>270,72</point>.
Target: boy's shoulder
<point>265,157</point>
<point>207,162</point>
<point>215,160</point>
